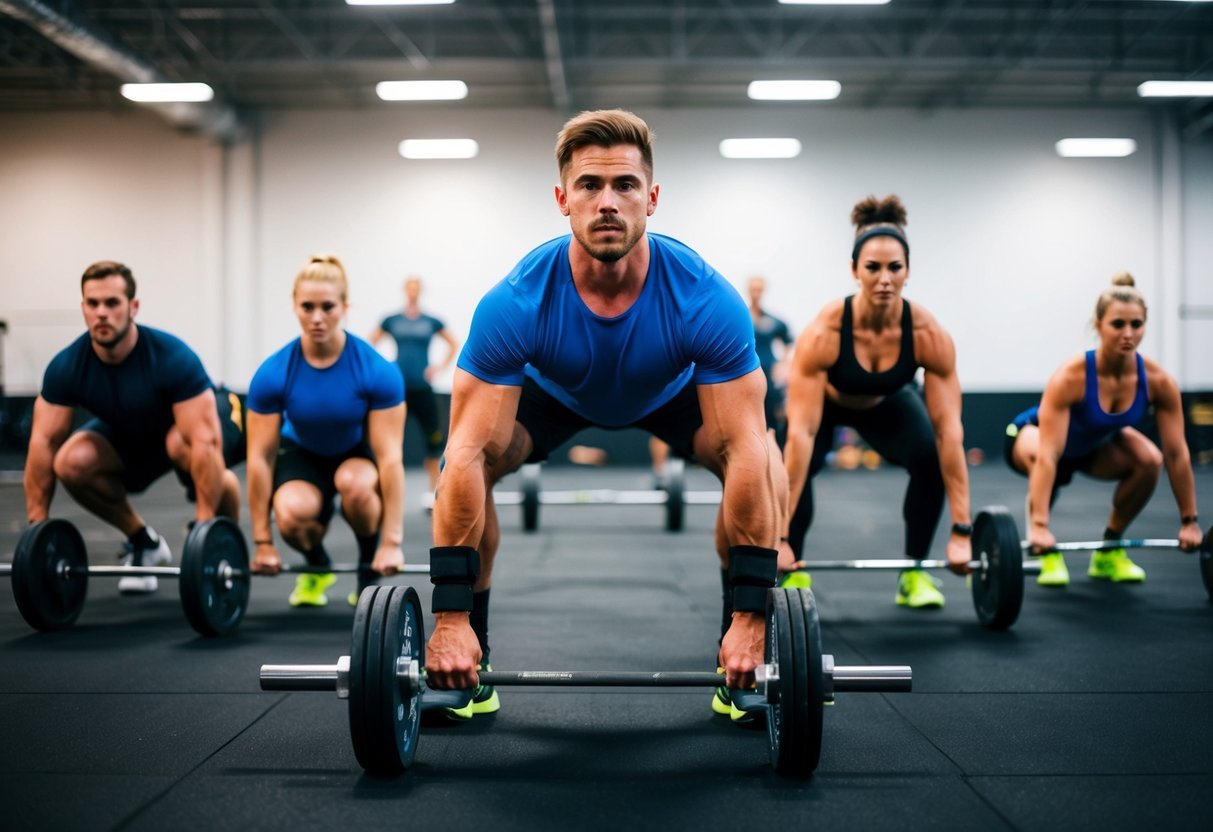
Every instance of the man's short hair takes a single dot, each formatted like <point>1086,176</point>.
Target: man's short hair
<point>108,268</point>
<point>604,128</point>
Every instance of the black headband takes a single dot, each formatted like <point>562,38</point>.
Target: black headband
<point>883,230</point>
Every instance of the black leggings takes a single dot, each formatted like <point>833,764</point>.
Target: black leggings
<point>898,429</point>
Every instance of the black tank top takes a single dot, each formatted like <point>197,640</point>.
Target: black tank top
<point>848,376</point>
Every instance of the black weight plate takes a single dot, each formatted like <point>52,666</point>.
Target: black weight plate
<point>214,601</point>
<point>530,498</point>
<point>403,637</point>
<point>998,588</point>
<point>800,763</point>
<point>816,684</point>
<point>1206,562</point>
<point>358,679</point>
<point>675,498</point>
<point>781,710</point>
<point>50,575</point>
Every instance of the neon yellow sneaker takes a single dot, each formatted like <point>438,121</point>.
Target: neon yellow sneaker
<point>738,705</point>
<point>1053,570</point>
<point>484,701</point>
<point>1115,565</point>
<point>918,590</point>
<point>796,579</point>
<point>309,590</point>
<point>352,598</point>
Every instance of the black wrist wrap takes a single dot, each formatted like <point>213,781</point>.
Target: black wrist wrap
<point>453,570</point>
<point>752,571</point>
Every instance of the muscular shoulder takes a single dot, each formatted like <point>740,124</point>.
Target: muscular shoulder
<point>933,346</point>
<point>817,346</point>
<point>1161,385</point>
<point>1067,385</point>
<point>165,343</point>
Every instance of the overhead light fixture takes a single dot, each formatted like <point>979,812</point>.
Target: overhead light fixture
<point>834,2</point>
<point>398,2</point>
<point>439,148</point>
<point>794,90</point>
<point>1175,89</point>
<point>760,148</point>
<point>421,90</point>
<point>167,93</point>
<point>1096,147</point>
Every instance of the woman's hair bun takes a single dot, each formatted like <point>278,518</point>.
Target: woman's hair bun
<point>870,211</point>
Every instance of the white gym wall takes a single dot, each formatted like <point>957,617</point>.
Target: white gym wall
<point>1010,243</point>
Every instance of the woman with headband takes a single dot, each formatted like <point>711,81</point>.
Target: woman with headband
<point>855,365</point>
<point>1085,422</point>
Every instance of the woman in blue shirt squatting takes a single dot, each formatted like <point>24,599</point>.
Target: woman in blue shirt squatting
<point>326,419</point>
<point>1085,422</point>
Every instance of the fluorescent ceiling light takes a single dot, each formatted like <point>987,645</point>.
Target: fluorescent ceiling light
<point>1175,89</point>
<point>760,148</point>
<point>439,148</point>
<point>794,90</point>
<point>834,2</point>
<point>398,2</point>
<point>165,93</point>
<point>421,90</point>
<point>1096,147</point>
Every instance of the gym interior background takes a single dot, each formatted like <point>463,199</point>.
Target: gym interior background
<point>955,106</point>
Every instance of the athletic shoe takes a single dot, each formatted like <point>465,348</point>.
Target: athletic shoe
<point>352,599</point>
<point>484,701</point>
<point>309,589</point>
<point>796,579</point>
<point>1115,565</point>
<point>1053,570</point>
<point>918,590</point>
<point>159,555</point>
<point>740,706</point>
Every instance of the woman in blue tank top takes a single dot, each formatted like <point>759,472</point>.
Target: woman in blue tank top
<point>855,365</point>
<point>1085,422</point>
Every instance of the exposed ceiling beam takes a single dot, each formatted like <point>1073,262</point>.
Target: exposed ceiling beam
<point>553,61</point>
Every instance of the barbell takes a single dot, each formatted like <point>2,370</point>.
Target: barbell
<point>50,573</point>
<point>384,680</point>
<point>999,564</point>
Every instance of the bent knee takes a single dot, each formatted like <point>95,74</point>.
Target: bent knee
<point>76,462</point>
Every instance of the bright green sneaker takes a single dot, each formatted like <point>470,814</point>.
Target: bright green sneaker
<point>918,590</point>
<point>1053,570</point>
<point>1114,565</point>
<point>484,701</point>
<point>796,579</point>
<point>352,598</point>
<point>309,590</point>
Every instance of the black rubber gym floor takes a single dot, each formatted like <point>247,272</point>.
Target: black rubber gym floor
<point>1095,711</point>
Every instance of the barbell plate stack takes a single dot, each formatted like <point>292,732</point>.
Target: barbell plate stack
<point>385,715</point>
<point>998,586</point>
<point>530,497</point>
<point>50,575</point>
<point>812,657</point>
<point>214,581</point>
<point>675,492</point>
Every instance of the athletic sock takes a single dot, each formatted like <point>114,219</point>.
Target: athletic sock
<point>726,597</point>
<point>1111,534</point>
<point>143,539</point>
<point>317,556</point>
<point>368,544</point>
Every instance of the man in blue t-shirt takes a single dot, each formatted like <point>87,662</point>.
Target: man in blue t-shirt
<point>614,327</point>
<point>412,330</point>
<point>154,409</point>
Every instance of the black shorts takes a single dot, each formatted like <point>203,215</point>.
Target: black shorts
<point>551,424</point>
<point>145,458</point>
<point>1066,466</point>
<point>421,404</point>
<point>295,463</point>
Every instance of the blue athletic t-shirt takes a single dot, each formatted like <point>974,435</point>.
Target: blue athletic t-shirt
<point>134,398</point>
<point>412,337</point>
<point>325,410</point>
<point>688,324</point>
